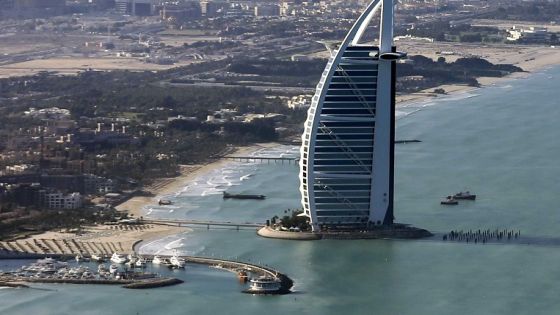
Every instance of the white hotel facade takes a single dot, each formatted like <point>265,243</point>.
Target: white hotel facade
<point>347,154</point>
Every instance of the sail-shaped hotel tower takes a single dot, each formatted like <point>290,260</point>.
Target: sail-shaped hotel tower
<point>347,153</point>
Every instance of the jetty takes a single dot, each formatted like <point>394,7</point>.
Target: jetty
<point>268,160</point>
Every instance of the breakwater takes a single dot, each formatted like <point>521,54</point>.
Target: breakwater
<point>286,283</point>
<point>17,281</point>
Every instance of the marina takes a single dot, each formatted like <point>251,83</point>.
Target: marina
<point>50,270</point>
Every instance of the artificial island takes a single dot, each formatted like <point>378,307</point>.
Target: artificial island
<point>347,155</point>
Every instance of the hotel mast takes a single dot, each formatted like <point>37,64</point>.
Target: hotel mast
<point>347,154</point>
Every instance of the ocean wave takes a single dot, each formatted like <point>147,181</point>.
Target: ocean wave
<point>245,177</point>
<point>458,97</point>
<point>174,244</point>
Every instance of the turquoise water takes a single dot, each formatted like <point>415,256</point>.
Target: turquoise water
<point>500,142</point>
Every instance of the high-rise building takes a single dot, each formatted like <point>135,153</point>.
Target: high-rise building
<point>347,153</point>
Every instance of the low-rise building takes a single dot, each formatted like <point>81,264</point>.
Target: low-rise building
<point>532,34</point>
<point>59,200</point>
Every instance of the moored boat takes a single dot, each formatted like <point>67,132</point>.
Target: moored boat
<point>466,195</point>
<point>140,263</point>
<point>450,201</point>
<point>157,260</point>
<point>118,258</point>
<point>242,276</point>
<point>177,262</point>
<point>97,258</point>
<point>243,196</point>
<point>264,285</point>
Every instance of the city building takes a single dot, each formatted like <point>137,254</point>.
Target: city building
<point>135,7</point>
<point>208,8</point>
<point>267,10</point>
<point>347,153</point>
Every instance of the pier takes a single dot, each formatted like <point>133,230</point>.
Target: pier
<point>268,160</point>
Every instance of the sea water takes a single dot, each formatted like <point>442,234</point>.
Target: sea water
<point>500,142</point>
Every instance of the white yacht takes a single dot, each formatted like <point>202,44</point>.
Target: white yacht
<point>177,262</point>
<point>46,265</point>
<point>118,258</point>
<point>140,263</point>
<point>97,258</point>
<point>157,260</point>
<point>264,285</point>
<point>132,261</point>
<point>113,268</point>
<point>101,268</point>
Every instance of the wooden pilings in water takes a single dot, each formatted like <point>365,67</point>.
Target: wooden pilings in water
<point>482,236</point>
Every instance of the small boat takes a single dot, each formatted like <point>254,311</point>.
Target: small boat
<point>464,196</point>
<point>242,276</point>
<point>118,258</point>
<point>140,263</point>
<point>97,258</point>
<point>113,268</point>
<point>177,262</point>
<point>132,258</point>
<point>450,201</point>
<point>101,268</point>
<point>264,285</point>
<point>79,258</point>
<point>243,196</point>
<point>157,260</point>
<point>165,202</point>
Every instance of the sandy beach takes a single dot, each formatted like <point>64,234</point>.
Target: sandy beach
<point>98,239</point>
<point>530,58</point>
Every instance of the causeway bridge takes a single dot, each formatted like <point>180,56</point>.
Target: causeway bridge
<point>208,224</point>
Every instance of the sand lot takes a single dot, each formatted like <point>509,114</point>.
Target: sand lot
<point>74,65</point>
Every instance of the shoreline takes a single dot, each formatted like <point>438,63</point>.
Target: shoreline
<point>166,186</point>
<point>531,59</point>
<point>124,238</point>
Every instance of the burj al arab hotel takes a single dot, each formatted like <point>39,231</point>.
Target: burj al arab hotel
<point>347,154</point>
